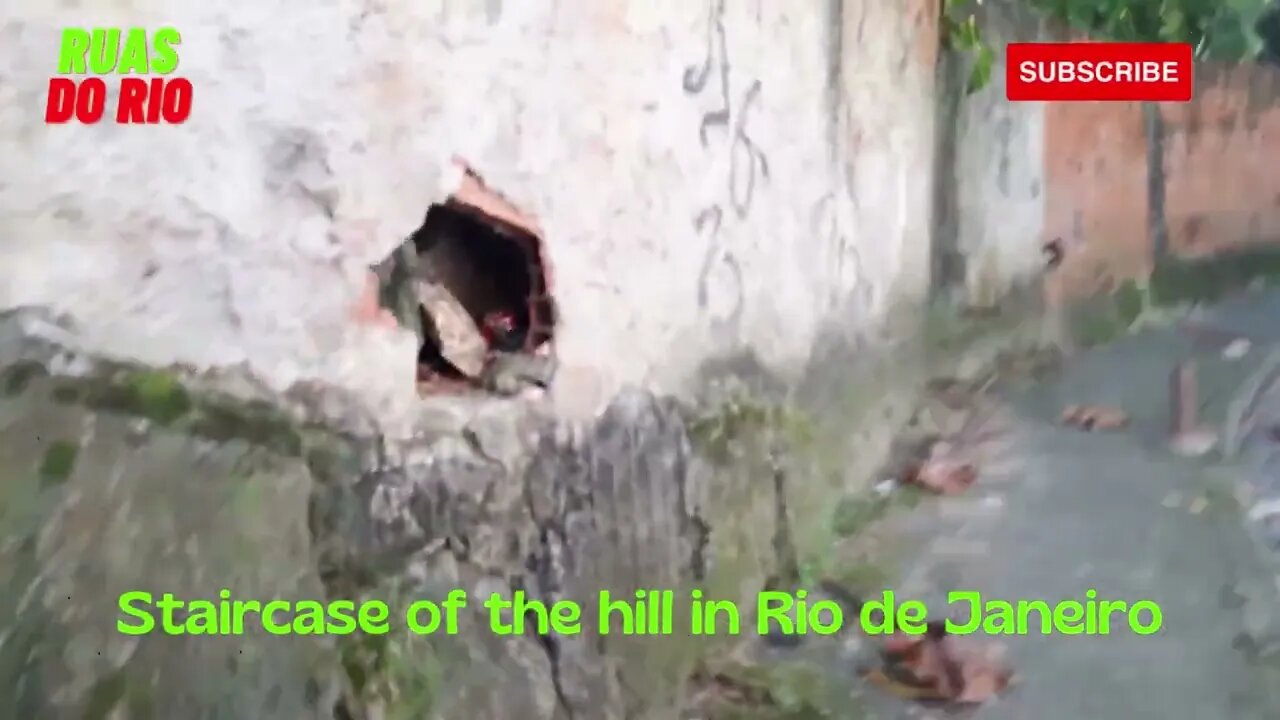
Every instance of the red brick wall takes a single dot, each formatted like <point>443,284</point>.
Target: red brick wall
<point>1221,171</point>
<point>1222,162</point>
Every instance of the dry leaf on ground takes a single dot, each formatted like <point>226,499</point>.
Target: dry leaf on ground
<point>1095,417</point>
<point>935,667</point>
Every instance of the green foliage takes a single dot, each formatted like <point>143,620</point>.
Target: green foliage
<point>740,419</point>
<point>1268,30</point>
<point>960,32</point>
<point>59,461</point>
<point>1225,30</point>
<point>160,395</point>
<point>1220,29</point>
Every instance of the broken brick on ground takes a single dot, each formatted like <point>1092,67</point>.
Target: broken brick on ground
<point>936,667</point>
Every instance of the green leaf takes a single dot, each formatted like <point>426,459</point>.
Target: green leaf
<point>980,75</point>
<point>1172,26</point>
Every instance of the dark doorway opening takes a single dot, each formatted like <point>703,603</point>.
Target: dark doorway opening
<point>497,273</point>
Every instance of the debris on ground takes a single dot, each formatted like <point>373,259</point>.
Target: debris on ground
<point>941,472</point>
<point>718,689</point>
<point>952,393</point>
<point>946,406</point>
<point>937,667</point>
<point>1095,417</point>
<point>1237,349</point>
<point>1028,364</point>
<point>885,488</point>
<point>508,373</point>
<point>1194,443</point>
<point>753,691</point>
<point>954,431</point>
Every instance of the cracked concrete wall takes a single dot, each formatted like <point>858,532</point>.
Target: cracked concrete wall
<point>708,176</point>
<point>212,488</point>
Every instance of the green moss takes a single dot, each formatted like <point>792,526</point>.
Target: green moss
<point>802,690</point>
<point>59,462</point>
<point>140,703</point>
<point>1129,301</point>
<point>364,657</point>
<point>722,430</point>
<point>1098,321</point>
<point>852,514</point>
<point>17,377</point>
<point>155,395</point>
<point>1173,281</point>
<point>861,578</point>
<point>330,457</point>
<point>257,422</point>
<point>413,676</point>
<point>105,695</point>
<point>161,397</point>
<point>67,394</point>
<point>1176,280</point>
<point>789,690</point>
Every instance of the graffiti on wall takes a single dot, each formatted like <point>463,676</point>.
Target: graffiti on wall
<point>743,152</point>
<point>847,265</point>
<point>748,165</point>
<point>747,161</point>
<point>720,271</point>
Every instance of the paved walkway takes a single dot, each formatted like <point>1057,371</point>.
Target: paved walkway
<point>1058,511</point>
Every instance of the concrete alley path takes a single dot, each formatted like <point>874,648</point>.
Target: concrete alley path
<point>1057,511</point>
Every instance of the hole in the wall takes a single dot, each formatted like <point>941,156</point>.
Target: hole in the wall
<point>492,262</point>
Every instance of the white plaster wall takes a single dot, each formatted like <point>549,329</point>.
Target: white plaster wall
<point>1000,192</point>
<point>203,243</point>
<point>888,78</point>
<point>999,171</point>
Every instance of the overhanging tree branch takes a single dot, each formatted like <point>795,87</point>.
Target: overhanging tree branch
<point>1227,30</point>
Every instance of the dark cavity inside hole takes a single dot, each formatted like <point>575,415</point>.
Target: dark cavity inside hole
<point>491,267</point>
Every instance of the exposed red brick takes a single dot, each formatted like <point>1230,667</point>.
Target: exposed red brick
<point>1221,166</point>
<point>1095,193</point>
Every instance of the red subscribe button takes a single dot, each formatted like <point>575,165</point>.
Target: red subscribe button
<point>1099,71</point>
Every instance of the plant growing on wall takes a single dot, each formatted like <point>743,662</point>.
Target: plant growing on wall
<point>1230,30</point>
